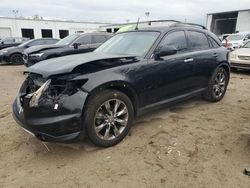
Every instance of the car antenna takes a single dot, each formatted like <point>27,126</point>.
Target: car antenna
<point>136,27</point>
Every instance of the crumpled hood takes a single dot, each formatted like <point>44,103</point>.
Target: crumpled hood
<point>66,64</point>
<point>38,48</point>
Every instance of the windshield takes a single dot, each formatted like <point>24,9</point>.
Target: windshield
<point>235,37</point>
<point>247,45</point>
<point>131,43</point>
<point>67,40</point>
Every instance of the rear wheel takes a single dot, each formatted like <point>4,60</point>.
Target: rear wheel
<point>16,59</point>
<point>217,85</point>
<point>108,117</point>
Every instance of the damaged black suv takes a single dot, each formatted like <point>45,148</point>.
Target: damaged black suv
<point>98,94</point>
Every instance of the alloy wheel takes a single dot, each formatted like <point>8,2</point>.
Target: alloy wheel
<point>111,119</point>
<point>219,84</point>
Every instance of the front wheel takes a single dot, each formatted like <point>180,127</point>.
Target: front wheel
<point>16,59</point>
<point>217,85</point>
<point>108,117</point>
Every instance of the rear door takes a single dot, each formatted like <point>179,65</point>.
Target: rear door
<point>203,58</point>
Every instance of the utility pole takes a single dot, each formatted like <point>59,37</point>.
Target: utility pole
<point>15,12</point>
<point>147,14</point>
<point>15,25</point>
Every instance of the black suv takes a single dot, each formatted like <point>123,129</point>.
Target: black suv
<point>73,44</point>
<point>99,93</point>
<point>13,55</point>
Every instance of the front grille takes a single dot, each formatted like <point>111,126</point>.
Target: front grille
<point>242,57</point>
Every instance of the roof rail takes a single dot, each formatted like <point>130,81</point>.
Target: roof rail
<point>181,24</point>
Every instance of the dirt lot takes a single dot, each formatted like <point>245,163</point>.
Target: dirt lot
<point>195,144</point>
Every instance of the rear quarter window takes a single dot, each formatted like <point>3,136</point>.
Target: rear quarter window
<point>198,40</point>
<point>98,39</point>
<point>213,43</point>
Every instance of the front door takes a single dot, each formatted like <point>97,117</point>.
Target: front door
<point>172,75</point>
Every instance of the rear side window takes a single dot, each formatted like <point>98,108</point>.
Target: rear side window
<point>213,43</point>
<point>198,41</point>
<point>84,40</point>
<point>175,39</point>
<point>36,42</point>
<point>50,41</point>
<point>98,39</point>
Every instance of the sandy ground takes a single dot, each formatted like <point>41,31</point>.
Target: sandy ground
<point>193,144</point>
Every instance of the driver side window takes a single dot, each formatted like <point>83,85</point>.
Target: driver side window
<point>176,39</point>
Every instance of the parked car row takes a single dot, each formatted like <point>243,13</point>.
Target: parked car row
<point>72,44</point>
<point>240,58</point>
<point>98,94</point>
<point>234,41</point>
<point>14,54</point>
<point>36,50</point>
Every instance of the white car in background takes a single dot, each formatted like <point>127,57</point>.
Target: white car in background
<point>235,41</point>
<point>240,58</point>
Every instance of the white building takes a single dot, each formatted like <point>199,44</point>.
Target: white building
<point>39,28</point>
<point>229,22</point>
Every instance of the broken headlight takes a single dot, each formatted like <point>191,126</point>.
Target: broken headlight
<point>55,88</point>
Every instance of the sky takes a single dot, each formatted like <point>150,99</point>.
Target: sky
<point>115,11</point>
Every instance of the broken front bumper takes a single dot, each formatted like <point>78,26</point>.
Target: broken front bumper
<point>60,122</point>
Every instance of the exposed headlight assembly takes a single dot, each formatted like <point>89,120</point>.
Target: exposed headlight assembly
<point>36,55</point>
<point>36,95</point>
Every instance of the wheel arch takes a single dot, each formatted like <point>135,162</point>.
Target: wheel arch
<point>121,86</point>
<point>226,66</point>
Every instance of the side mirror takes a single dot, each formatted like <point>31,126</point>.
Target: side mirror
<point>164,51</point>
<point>76,45</point>
<point>2,42</point>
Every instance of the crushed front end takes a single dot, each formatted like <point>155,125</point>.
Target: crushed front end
<point>51,108</point>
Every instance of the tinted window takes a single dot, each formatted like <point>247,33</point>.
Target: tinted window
<point>50,41</point>
<point>213,42</point>
<point>175,39</point>
<point>36,42</point>
<point>84,40</point>
<point>98,39</point>
<point>198,41</point>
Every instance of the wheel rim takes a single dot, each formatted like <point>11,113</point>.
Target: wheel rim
<point>16,59</point>
<point>219,84</point>
<point>111,119</point>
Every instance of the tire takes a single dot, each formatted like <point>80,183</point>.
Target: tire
<point>105,124</point>
<point>217,85</point>
<point>16,59</point>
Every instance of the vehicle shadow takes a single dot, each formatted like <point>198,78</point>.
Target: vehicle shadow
<point>160,113</point>
<point>9,64</point>
<point>240,71</point>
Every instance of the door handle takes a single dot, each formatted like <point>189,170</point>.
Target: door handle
<point>215,55</point>
<point>188,60</point>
